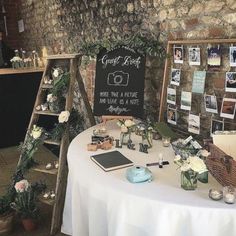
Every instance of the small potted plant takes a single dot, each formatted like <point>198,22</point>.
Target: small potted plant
<point>25,203</point>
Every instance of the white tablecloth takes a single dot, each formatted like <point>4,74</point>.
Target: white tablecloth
<point>100,203</point>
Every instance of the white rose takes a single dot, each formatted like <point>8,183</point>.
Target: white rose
<point>49,97</point>
<point>129,123</point>
<point>124,129</point>
<point>36,132</point>
<point>177,158</point>
<point>22,186</point>
<point>185,167</point>
<point>64,116</point>
<point>55,73</point>
<point>197,164</point>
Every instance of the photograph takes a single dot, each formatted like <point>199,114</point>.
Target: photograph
<point>172,116</point>
<point>211,103</point>
<point>230,82</point>
<point>194,124</point>
<point>178,54</point>
<point>175,76</point>
<point>232,56</point>
<point>171,96</point>
<point>198,85</point>
<point>228,108</point>
<point>194,56</point>
<point>216,125</point>
<point>186,100</point>
<point>214,58</point>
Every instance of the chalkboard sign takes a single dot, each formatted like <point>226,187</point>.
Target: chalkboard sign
<point>119,83</point>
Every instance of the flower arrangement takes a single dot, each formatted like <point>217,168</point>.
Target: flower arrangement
<point>146,131</point>
<point>25,202</point>
<point>126,127</point>
<point>190,169</point>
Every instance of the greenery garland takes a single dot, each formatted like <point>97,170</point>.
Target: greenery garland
<point>137,42</point>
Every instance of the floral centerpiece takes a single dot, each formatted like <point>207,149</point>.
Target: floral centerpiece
<point>190,169</point>
<point>25,203</point>
<point>146,132</point>
<point>16,62</point>
<point>126,127</point>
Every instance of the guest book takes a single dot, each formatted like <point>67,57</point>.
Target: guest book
<point>111,160</point>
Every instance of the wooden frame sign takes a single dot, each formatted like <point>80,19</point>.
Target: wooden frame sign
<point>119,83</point>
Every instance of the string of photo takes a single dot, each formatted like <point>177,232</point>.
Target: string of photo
<point>228,105</point>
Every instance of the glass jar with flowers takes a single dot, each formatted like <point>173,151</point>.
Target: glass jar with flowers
<point>53,103</point>
<point>126,128</point>
<point>190,169</point>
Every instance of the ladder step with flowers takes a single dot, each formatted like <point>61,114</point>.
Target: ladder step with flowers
<point>52,87</point>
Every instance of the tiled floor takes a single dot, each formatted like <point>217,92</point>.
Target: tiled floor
<point>8,161</point>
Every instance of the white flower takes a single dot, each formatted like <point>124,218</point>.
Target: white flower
<point>22,186</point>
<point>51,98</point>
<point>177,158</point>
<point>185,167</point>
<point>119,123</point>
<point>64,116</point>
<point>56,73</point>
<point>197,164</point>
<point>129,123</point>
<point>204,153</point>
<point>124,129</point>
<point>36,132</point>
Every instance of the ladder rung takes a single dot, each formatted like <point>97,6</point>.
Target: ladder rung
<point>47,113</point>
<point>47,86</point>
<point>47,201</point>
<point>49,141</point>
<point>41,168</point>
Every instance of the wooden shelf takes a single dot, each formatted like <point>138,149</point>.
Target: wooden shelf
<point>49,141</point>
<point>46,201</point>
<point>41,168</point>
<point>47,86</point>
<point>47,113</point>
<point>10,71</point>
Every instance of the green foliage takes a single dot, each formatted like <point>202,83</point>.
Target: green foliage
<point>137,42</point>
<point>60,84</point>
<point>57,131</point>
<point>5,202</point>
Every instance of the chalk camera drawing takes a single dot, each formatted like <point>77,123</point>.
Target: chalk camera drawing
<point>118,78</point>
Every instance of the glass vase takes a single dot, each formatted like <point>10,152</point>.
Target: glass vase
<point>203,178</point>
<point>189,180</point>
<point>124,137</point>
<point>147,138</point>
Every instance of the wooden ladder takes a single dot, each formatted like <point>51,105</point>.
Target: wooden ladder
<point>72,62</point>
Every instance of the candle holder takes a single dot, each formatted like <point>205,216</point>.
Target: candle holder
<point>166,141</point>
<point>229,194</point>
<point>215,194</point>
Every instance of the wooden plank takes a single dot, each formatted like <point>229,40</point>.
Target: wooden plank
<point>47,113</point>
<point>10,71</point>
<point>85,99</point>
<point>41,168</point>
<point>47,86</point>
<point>63,56</point>
<point>49,141</point>
<point>164,84</point>
<point>202,41</point>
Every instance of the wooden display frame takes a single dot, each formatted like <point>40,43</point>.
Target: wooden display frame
<point>170,45</point>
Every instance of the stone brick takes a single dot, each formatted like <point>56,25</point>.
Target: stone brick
<point>171,13</point>
<point>209,20</point>
<point>190,23</point>
<point>214,6</point>
<point>197,34</point>
<point>156,3</point>
<point>182,11</point>
<point>196,9</point>
<point>130,7</point>
<point>231,4</point>
<point>168,2</point>
<point>230,18</point>
<point>216,32</point>
<point>218,83</point>
<point>162,15</point>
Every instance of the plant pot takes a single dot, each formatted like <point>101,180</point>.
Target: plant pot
<point>6,223</point>
<point>29,224</point>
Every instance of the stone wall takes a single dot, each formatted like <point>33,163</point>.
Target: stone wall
<point>62,25</point>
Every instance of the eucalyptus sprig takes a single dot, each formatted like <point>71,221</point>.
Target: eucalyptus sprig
<point>137,42</point>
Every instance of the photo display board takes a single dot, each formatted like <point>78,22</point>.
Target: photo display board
<point>119,83</point>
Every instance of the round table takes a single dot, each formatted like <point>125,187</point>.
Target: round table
<point>100,203</point>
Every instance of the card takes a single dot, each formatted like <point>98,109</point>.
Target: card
<point>198,85</point>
